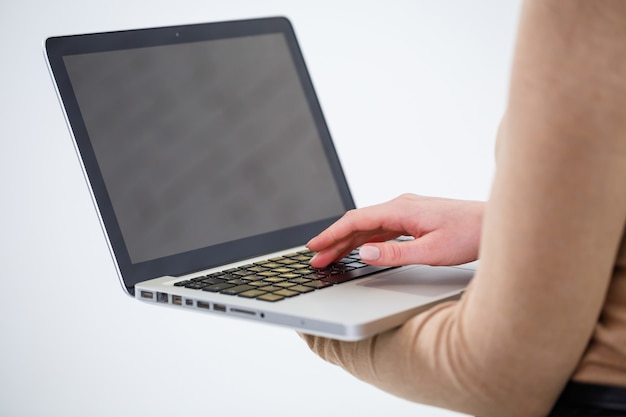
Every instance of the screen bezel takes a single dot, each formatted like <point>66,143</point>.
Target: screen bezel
<point>211,256</point>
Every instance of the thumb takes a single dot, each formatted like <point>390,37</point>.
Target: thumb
<point>430,249</point>
<point>390,253</point>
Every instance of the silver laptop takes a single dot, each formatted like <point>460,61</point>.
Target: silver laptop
<point>210,165</point>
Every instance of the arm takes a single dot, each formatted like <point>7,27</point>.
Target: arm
<point>551,231</point>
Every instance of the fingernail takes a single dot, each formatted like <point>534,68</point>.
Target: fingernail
<point>369,253</point>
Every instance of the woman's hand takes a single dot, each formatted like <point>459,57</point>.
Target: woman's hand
<point>445,232</point>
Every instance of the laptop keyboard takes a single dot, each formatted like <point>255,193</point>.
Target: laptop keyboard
<point>282,277</point>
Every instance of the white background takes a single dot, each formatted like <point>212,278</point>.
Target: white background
<point>412,91</point>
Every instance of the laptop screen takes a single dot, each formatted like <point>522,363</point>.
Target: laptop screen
<point>202,149</point>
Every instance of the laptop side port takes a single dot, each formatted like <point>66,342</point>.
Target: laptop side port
<point>177,300</point>
<point>147,294</point>
<point>202,304</point>
<point>219,307</point>
<point>239,310</point>
<point>162,297</point>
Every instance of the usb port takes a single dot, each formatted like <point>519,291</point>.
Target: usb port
<point>147,294</point>
<point>202,304</point>
<point>219,307</point>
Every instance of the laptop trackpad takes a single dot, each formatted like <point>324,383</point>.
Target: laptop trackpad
<point>422,280</point>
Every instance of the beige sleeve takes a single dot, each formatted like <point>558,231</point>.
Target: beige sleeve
<point>551,231</point>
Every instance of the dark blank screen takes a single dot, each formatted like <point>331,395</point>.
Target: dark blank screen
<point>203,143</point>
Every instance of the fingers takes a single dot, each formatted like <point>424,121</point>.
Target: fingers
<point>340,249</point>
<point>336,241</point>
<point>367,221</point>
<point>325,258</point>
<point>342,229</point>
<point>389,253</point>
<point>358,225</point>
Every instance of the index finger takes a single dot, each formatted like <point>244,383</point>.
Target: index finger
<point>357,225</point>
<point>351,222</point>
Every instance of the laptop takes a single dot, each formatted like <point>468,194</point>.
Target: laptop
<point>210,165</point>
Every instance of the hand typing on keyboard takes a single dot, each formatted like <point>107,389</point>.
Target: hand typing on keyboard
<point>446,232</point>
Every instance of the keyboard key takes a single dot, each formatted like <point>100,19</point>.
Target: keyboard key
<point>270,297</point>
<point>267,274</point>
<point>211,281</point>
<point>218,287</point>
<point>300,266</point>
<point>243,272</point>
<point>238,281</point>
<point>282,270</point>
<point>251,293</point>
<point>271,265</point>
<point>198,278</point>
<point>317,275</point>
<point>317,284</point>
<point>236,290</point>
<point>286,293</point>
<point>338,279</point>
<point>270,288</point>
<point>250,278</point>
<point>300,280</point>
<point>285,284</point>
<point>303,271</point>
<point>198,285</point>
<point>258,283</point>
<point>290,276</point>
<point>274,279</point>
<point>302,258</point>
<point>301,289</point>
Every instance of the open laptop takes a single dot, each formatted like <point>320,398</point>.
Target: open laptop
<point>210,165</point>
